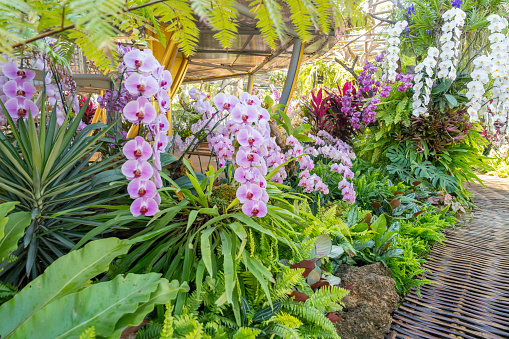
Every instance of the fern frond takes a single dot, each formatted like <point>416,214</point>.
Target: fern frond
<point>326,297</point>
<point>270,20</point>
<point>167,331</point>
<point>288,320</point>
<point>246,333</point>
<point>301,17</point>
<point>311,314</point>
<point>286,332</point>
<point>89,333</point>
<point>150,331</point>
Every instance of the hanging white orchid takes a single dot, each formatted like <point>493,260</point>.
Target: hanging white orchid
<point>496,65</point>
<point>393,48</point>
<point>454,19</point>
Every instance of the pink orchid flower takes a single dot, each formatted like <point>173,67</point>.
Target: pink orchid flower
<point>12,71</point>
<point>158,182</point>
<point>263,114</point>
<point>225,102</point>
<point>139,188</point>
<point>338,168</point>
<point>322,187</point>
<point>292,141</point>
<point>298,150</point>
<point>138,84</point>
<point>142,61</point>
<point>244,114</point>
<point>304,174</point>
<point>260,181</point>
<point>277,179</point>
<point>164,78</point>
<point>140,111</point>
<point>243,175</point>
<point>163,99</point>
<point>19,107</point>
<point>195,94</point>
<point>144,206</point>
<point>134,169</point>
<point>160,142</point>
<point>137,149</point>
<point>349,198</point>
<point>157,160</point>
<point>254,208</point>
<point>82,125</point>
<point>248,99</point>
<point>19,88</point>
<point>249,137</point>
<point>164,124</point>
<point>343,183</point>
<point>348,173</point>
<point>249,192</point>
<point>247,159</point>
<point>157,197</point>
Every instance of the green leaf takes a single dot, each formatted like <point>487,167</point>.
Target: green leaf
<point>206,251</point>
<point>101,305</point>
<point>267,312</point>
<point>66,275</point>
<point>323,245</point>
<point>164,293</point>
<point>451,100</point>
<point>12,229</point>
<point>228,266</point>
<point>108,176</point>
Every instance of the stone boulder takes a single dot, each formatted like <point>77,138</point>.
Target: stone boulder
<point>368,306</point>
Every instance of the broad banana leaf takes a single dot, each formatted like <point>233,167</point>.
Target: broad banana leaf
<point>101,305</point>
<point>66,275</point>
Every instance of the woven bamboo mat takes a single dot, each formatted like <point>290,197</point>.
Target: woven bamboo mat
<point>469,297</point>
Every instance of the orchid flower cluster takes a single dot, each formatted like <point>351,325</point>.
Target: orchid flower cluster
<point>369,86</point>
<point>454,19</point>
<point>422,84</point>
<point>238,133</point>
<point>145,79</point>
<point>16,91</point>
<point>496,64</point>
<point>230,121</point>
<point>393,48</point>
<point>328,147</point>
<point>446,57</point>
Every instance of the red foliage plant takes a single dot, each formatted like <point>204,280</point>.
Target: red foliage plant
<point>89,112</point>
<point>333,111</point>
<point>439,131</point>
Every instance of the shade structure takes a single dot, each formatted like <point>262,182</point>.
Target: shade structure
<point>250,54</point>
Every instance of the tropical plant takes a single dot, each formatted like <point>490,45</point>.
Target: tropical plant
<point>12,228</point>
<point>48,169</point>
<point>416,237</point>
<point>65,289</point>
<point>198,233</point>
<point>393,115</point>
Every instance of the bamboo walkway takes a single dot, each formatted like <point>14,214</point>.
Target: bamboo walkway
<point>469,297</point>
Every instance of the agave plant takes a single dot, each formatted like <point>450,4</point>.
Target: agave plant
<point>48,169</point>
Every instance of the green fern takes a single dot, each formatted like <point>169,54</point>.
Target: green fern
<point>270,20</point>
<point>326,297</point>
<point>89,333</point>
<point>311,315</point>
<point>150,331</point>
<point>246,333</point>
<point>7,292</point>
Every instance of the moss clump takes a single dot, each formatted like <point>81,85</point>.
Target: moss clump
<point>222,196</point>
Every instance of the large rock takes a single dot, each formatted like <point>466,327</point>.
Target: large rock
<point>368,307</point>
